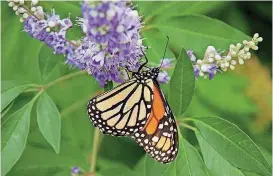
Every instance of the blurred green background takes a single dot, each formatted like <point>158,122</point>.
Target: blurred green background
<point>242,96</point>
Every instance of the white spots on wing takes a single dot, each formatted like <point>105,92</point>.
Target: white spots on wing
<point>155,139</point>
<point>160,126</point>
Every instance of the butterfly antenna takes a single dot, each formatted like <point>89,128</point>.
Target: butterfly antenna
<point>146,60</point>
<point>164,51</point>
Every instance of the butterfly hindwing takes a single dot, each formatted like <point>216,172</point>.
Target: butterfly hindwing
<point>124,109</point>
<point>159,136</point>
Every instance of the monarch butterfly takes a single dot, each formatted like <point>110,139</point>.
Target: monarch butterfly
<point>138,108</point>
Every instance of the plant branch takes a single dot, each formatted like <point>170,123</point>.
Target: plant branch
<point>96,142</point>
<point>65,77</point>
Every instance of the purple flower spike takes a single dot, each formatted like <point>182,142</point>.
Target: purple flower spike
<point>112,42</point>
<point>163,77</point>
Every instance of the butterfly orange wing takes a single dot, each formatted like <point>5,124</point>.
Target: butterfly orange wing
<point>159,136</point>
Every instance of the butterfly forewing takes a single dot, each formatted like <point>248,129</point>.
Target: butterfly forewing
<point>124,109</point>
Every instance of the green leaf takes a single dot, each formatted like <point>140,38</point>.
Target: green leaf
<point>232,144</point>
<point>49,121</point>
<point>177,8</point>
<point>9,95</point>
<point>182,84</point>
<point>42,161</point>
<point>14,136</point>
<point>6,110</point>
<point>48,62</point>
<point>213,160</point>
<point>198,33</point>
<point>187,163</point>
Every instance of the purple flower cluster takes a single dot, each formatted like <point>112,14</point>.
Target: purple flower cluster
<point>75,171</point>
<point>202,68</point>
<point>112,42</point>
<point>40,29</point>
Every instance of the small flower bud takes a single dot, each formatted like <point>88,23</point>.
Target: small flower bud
<point>210,59</point>
<point>255,47</point>
<point>16,1</point>
<point>227,64</point>
<point>204,68</point>
<point>11,4</point>
<point>256,35</point>
<point>233,53</point>
<point>120,28</point>
<point>260,39</point>
<point>25,15</point>
<point>245,42</point>
<point>217,57</point>
<point>241,61</point>
<point>224,69</point>
<point>33,9</point>
<point>17,13</point>
<point>239,45</point>
<point>15,7</point>
<point>199,61</point>
<point>232,67</point>
<point>48,29</point>
<point>34,2</point>
<point>21,2</point>
<point>222,65</point>
<point>22,20</point>
<point>201,73</point>
<point>248,55</point>
<point>233,62</point>
<point>232,46</point>
<point>246,49</point>
<point>21,10</point>
<point>228,58</point>
<point>251,43</point>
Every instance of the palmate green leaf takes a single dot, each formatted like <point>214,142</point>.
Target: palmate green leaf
<point>14,136</point>
<point>197,32</point>
<point>7,96</point>
<point>182,84</point>
<point>214,161</point>
<point>49,121</point>
<point>187,163</point>
<point>232,144</point>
